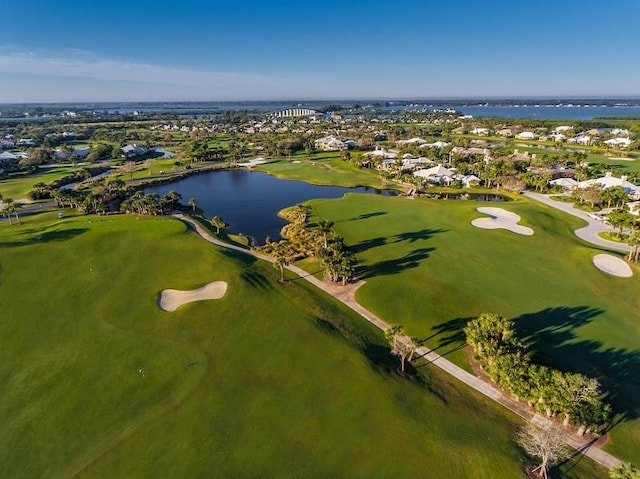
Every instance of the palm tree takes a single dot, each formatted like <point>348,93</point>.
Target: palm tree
<point>193,203</point>
<point>10,207</point>
<point>325,227</point>
<point>633,240</point>
<point>280,263</point>
<point>218,223</point>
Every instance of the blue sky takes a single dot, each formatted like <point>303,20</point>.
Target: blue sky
<point>140,50</point>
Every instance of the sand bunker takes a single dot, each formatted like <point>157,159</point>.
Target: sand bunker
<point>500,219</point>
<point>612,265</point>
<point>172,299</point>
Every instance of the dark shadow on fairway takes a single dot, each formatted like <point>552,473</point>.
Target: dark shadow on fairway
<point>245,259</point>
<point>394,266</point>
<point>47,237</point>
<point>550,334</point>
<point>257,280</point>
<point>413,236</point>
<point>368,244</point>
<point>365,216</point>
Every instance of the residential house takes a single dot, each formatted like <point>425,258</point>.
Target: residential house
<point>569,184</point>
<point>618,142</point>
<point>480,131</point>
<point>411,141</point>
<point>437,174</point>
<point>506,132</point>
<point>132,150</point>
<point>610,181</point>
<point>333,143</point>
<point>527,135</point>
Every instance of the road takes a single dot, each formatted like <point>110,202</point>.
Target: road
<point>346,295</point>
<point>588,233</point>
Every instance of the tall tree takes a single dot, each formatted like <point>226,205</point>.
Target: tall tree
<point>218,223</point>
<point>544,443</point>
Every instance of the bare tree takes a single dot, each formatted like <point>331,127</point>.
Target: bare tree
<point>401,345</point>
<point>546,444</point>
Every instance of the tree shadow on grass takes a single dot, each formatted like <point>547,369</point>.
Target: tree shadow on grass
<point>413,236</point>
<point>550,334</point>
<point>394,266</point>
<point>243,258</point>
<point>368,244</point>
<point>47,237</point>
<point>257,280</point>
<point>450,336</point>
<point>366,216</point>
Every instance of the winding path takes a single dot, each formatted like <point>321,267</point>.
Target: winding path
<point>346,295</point>
<point>588,233</point>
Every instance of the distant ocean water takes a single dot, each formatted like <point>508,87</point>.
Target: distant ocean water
<point>550,112</point>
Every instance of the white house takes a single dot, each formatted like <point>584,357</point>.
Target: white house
<point>411,141</point>
<point>562,128</point>
<point>7,155</point>
<point>610,181</point>
<point>27,142</point>
<point>506,132</point>
<point>435,144</point>
<point>333,143</point>
<point>480,131</point>
<point>618,142</point>
<point>580,139</point>
<point>566,183</point>
<point>468,180</point>
<point>437,174</point>
<point>527,135</point>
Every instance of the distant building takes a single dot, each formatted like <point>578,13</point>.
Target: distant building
<point>295,112</point>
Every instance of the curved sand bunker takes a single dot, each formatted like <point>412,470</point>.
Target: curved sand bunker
<point>612,265</point>
<point>500,219</point>
<point>172,299</point>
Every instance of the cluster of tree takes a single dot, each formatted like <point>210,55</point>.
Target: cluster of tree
<point>575,398</point>
<point>199,150</point>
<point>598,197</point>
<point>150,203</point>
<point>10,210</point>
<point>42,191</point>
<point>100,198</point>
<point>319,240</point>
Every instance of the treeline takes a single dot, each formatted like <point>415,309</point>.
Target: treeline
<point>575,398</point>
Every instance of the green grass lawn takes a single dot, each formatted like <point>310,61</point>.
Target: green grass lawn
<point>429,269</point>
<point>271,381</point>
<point>17,185</point>
<point>325,169</point>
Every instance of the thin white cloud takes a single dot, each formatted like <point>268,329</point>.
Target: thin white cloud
<point>79,64</point>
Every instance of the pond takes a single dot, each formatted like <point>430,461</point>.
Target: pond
<point>249,201</point>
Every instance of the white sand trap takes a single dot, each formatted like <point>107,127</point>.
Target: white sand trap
<point>612,265</point>
<point>172,299</point>
<point>500,219</point>
<point>620,158</point>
